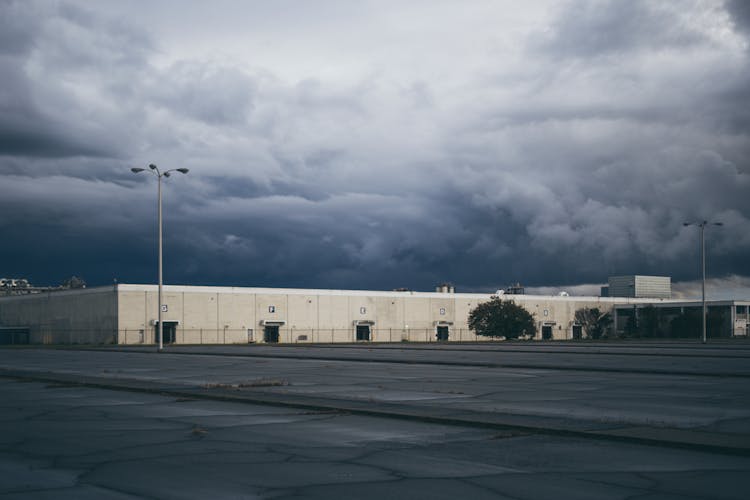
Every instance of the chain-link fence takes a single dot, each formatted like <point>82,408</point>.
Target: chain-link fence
<point>283,335</point>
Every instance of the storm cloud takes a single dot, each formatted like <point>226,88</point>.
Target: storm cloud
<point>374,144</point>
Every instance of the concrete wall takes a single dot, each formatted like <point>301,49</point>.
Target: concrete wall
<point>64,317</point>
<point>233,315</point>
<point>211,315</point>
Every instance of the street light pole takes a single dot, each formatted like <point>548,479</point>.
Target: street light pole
<point>161,281</point>
<point>702,225</point>
<point>155,170</point>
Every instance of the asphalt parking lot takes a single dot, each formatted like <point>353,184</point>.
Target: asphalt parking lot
<point>371,421</point>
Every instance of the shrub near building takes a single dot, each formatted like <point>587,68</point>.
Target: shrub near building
<point>595,323</point>
<point>501,318</point>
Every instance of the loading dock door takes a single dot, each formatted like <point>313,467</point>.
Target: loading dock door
<point>443,333</point>
<point>169,332</point>
<point>546,332</point>
<point>363,332</point>
<point>271,334</point>
<point>10,335</point>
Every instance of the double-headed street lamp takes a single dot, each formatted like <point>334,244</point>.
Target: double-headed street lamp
<point>159,174</point>
<point>702,225</point>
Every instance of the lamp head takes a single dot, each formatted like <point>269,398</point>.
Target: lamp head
<point>165,174</point>
<point>183,170</point>
<point>135,170</point>
<point>152,166</point>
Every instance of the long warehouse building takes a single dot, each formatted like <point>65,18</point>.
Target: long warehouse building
<point>127,314</point>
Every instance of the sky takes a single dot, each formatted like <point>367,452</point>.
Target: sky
<point>376,144</point>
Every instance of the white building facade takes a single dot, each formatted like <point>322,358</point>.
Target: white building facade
<point>127,314</point>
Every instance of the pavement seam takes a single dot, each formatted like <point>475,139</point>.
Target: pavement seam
<point>515,366</point>
<point>627,434</point>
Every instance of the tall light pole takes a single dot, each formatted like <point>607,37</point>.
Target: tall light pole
<point>702,225</point>
<point>159,174</point>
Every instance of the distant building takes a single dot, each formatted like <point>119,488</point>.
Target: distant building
<point>682,319</point>
<point>15,286</point>
<point>642,287</point>
<point>515,289</point>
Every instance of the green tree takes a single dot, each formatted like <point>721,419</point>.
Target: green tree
<point>594,322</point>
<point>501,318</point>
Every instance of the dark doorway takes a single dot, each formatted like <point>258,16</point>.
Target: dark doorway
<point>442,333</point>
<point>577,332</point>
<point>547,332</point>
<point>363,332</point>
<point>169,332</point>
<point>10,336</point>
<point>271,334</point>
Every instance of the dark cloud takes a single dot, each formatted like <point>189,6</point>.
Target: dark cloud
<point>60,69</point>
<point>609,27</point>
<point>214,94</point>
<point>17,25</point>
<point>580,158</point>
<point>740,12</point>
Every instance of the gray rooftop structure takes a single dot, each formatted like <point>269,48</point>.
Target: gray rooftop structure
<point>636,286</point>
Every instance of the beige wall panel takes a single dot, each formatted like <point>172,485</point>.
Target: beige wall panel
<point>200,320</point>
<point>303,317</point>
<point>263,305</point>
<point>133,325</point>
<point>242,319</point>
<point>443,309</point>
<point>331,317</point>
<point>417,318</point>
<point>236,311</point>
<point>390,321</point>
<point>132,310</point>
<point>236,314</point>
<point>390,312</point>
<point>362,308</point>
<point>303,311</point>
<point>173,301</point>
<point>333,320</point>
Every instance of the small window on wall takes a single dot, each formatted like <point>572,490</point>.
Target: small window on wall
<point>442,311</point>
<point>362,310</point>
<point>741,310</point>
<point>272,309</point>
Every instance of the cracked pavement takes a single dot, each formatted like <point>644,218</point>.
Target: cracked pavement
<point>161,431</point>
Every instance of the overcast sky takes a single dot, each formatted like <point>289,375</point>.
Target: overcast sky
<point>375,144</point>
